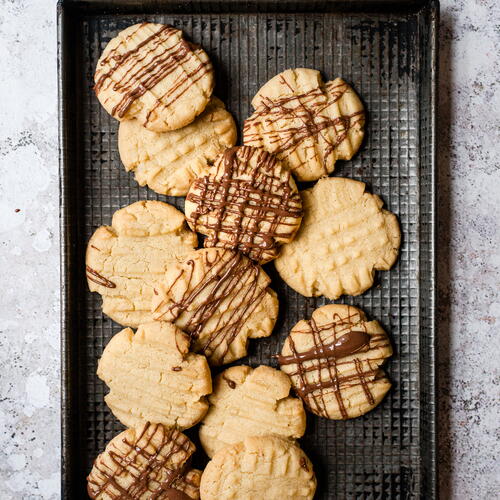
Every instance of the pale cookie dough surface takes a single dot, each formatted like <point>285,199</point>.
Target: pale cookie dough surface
<point>344,237</point>
<point>126,260</point>
<point>168,162</point>
<point>260,467</point>
<point>307,123</point>
<point>125,468</point>
<point>248,202</point>
<point>221,298</point>
<point>250,402</point>
<point>334,361</point>
<point>153,377</point>
<point>149,72</point>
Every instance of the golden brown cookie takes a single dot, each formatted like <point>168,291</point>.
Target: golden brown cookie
<point>259,467</point>
<point>334,361</point>
<point>126,260</point>
<point>250,402</point>
<point>150,461</point>
<point>154,378</point>
<point>308,124</point>
<point>221,298</point>
<point>344,237</point>
<point>149,72</point>
<point>246,202</point>
<point>168,162</point>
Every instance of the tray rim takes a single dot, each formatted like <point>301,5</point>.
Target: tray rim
<point>434,13</point>
<point>66,8</point>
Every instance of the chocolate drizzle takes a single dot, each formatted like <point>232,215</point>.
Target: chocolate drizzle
<point>173,494</point>
<point>145,65</point>
<point>230,383</point>
<point>346,345</point>
<point>325,362</point>
<point>228,290</point>
<point>94,276</point>
<point>147,463</point>
<point>311,111</point>
<point>246,206</point>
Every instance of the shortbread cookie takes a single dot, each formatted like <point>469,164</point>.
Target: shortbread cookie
<point>221,298</point>
<point>246,202</point>
<point>126,260</point>
<point>149,72</point>
<point>260,467</point>
<point>154,378</point>
<point>308,124</point>
<point>145,462</point>
<point>168,162</point>
<point>345,236</point>
<point>334,361</point>
<point>250,402</point>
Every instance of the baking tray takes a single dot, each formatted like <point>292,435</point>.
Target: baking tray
<point>387,50</point>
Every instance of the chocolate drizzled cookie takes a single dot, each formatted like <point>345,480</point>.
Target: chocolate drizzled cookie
<point>147,462</point>
<point>151,73</point>
<point>334,361</point>
<point>219,297</point>
<point>308,124</point>
<point>124,261</point>
<point>247,202</point>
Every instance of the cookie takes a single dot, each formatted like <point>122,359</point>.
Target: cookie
<point>154,378</point>
<point>334,362</point>
<point>247,202</point>
<point>150,461</point>
<point>149,72</point>
<point>345,236</point>
<point>260,467</point>
<point>221,298</point>
<point>307,123</point>
<point>127,259</point>
<point>250,402</point>
<point>168,162</point>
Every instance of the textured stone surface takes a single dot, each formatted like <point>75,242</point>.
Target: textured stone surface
<point>468,255</point>
<point>469,161</point>
<point>29,253</point>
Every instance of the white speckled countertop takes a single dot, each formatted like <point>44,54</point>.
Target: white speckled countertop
<point>468,243</point>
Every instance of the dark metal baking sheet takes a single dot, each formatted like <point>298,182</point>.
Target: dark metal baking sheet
<point>387,50</point>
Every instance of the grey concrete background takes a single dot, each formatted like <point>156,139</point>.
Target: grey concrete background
<point>468,242</point>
